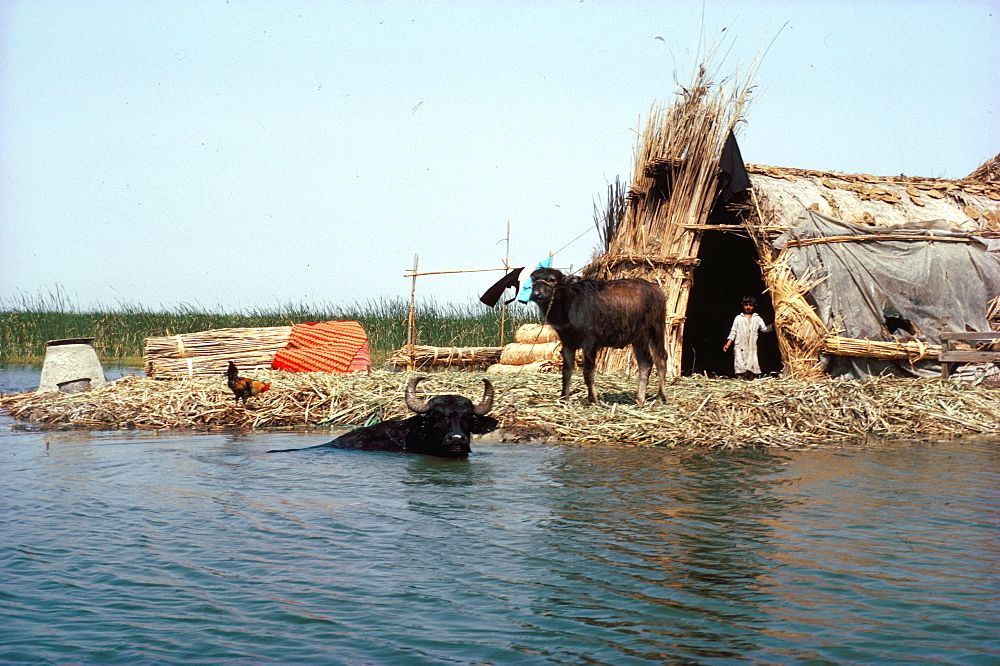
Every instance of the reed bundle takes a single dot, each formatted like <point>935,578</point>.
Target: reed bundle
<point>911,351</point>
<point>712,413</point>
<point>424,356</point>
<point>209,352</point>
<point>801,333</point>
<point>537,349</point>
<point>535,333</point>
<point>987,172</point>
<point>521,353</point>
<point>534,366</point>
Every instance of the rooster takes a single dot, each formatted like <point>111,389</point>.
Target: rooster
<point>243,387</point>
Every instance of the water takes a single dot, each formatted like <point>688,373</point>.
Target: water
<point>164,548</point>
<point>16,378</point>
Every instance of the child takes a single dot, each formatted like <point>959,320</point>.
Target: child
<point>746,326</point>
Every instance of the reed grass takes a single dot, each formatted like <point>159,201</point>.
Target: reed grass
<point>27,322</point>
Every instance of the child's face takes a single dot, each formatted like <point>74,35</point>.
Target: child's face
<point>748,308</point>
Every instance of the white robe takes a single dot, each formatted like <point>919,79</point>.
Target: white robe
<point>744,337</point>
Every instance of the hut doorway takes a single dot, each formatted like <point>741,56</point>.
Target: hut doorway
<point>728,271</point>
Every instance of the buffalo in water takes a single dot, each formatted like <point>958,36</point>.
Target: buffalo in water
<point>441,426</point>
<point>593,314</point>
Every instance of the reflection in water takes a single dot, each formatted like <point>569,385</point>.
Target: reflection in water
<point>696,528</point>
<point>115,545</point>
<point>867,535</point>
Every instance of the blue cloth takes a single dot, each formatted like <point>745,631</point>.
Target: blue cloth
<point>525,294</point>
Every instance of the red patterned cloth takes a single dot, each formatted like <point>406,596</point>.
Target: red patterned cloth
<point>329,346</point>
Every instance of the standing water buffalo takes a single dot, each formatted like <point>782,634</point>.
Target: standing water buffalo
<point>441,426</point>
<point>593,314</point>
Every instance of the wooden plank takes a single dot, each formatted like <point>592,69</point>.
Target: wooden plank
<point>969,356</point>
<point>973,335</point>
<point>800,242</point>
<point>950,357</point>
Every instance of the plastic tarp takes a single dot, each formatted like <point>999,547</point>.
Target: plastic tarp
<point>931,279</point>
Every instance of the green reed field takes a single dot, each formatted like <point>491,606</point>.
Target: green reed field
<point>28,322</point>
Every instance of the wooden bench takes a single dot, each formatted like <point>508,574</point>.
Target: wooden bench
<point>950,357</point>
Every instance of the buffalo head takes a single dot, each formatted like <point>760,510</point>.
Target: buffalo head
<point>445,423</point>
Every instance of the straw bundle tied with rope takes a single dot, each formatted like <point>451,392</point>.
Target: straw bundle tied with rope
<point>536,349</point>
<point>522,353</point>
<point>209,352</point>
<point>528,334</point>
<point>428,356</point>
<point>699,412</point>
<point>533,366</point>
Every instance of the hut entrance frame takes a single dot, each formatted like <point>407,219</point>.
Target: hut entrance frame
<point>727,271</point>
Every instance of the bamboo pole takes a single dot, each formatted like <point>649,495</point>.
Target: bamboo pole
<point>503,304</point>
<point>414,273</point>
<point>411,324</point>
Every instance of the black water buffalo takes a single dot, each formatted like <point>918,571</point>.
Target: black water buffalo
<point>441,426</point>
<point>593,314</point>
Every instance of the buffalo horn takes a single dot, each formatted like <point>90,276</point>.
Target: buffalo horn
<point>415,405</point>
<point>484,407</point>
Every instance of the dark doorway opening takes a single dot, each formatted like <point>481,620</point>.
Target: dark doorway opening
<point>728,271</point>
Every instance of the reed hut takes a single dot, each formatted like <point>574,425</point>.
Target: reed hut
<point>709,229</point>
<point>884,264</point>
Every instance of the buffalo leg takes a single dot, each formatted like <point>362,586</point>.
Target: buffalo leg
<point>645,361</point>
<point>569,360</point>
<point>589,368</point>
<point>661,375</point>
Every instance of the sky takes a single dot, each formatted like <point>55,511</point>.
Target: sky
<point>245,155</point>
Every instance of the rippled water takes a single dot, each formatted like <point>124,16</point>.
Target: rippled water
<point>137,547</point>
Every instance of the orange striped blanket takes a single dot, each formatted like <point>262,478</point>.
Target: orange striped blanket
<point>329,346</point>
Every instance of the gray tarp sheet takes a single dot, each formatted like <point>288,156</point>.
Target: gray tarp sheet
<point>936,286</point>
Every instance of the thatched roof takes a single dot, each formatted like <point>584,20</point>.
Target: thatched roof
<point>883,201</point>
<point>988,171</point>
<point>780,197</point>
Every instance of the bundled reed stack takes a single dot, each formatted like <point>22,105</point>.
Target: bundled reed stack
<point>536,348</point>
<point>425,357</point>
<point>655,235</point>
<point>209,352</point>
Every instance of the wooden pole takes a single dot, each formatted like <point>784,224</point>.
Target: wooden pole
<point>411,325</point>
<point>503,306</point>
<point>474,270</point>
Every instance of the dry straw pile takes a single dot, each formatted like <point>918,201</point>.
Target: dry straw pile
<point>699,412</point>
